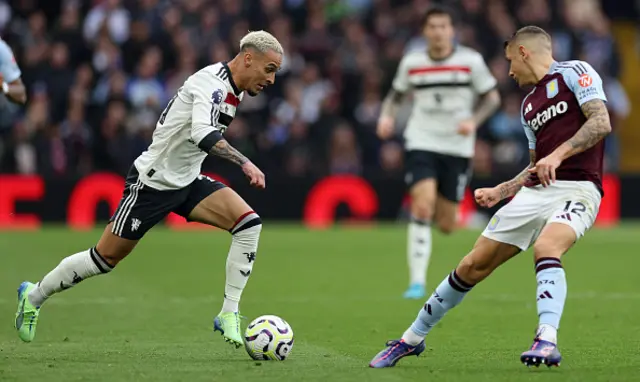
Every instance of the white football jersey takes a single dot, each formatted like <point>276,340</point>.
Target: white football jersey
<point>444,93</point>
<point>205,103</point>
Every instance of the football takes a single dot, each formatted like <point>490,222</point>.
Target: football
<point>268,338</point>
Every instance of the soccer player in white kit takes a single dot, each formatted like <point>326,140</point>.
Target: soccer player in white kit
<point>454,93</point>
<point>166,178</point>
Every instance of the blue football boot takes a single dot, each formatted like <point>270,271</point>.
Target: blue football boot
<point>414,292</point>
<point>541,352</point>
<point>395,350</point>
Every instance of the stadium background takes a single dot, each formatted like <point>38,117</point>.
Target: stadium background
<point>98,73</point>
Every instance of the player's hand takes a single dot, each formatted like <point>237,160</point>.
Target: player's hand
<point>487,197</point>
<point>386,127</point>
<point>255,176</point>
<point>467,127</point>
<point>545,168</point>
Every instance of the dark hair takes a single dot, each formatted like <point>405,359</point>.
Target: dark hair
<point>438,10</point>
<point>529,30</point>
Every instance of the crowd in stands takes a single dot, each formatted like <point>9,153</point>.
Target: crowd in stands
<point>99,73</point>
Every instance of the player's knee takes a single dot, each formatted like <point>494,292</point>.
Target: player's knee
<point>473,268</point>
<point>248,228</point>
<point>422,210</point>
<point>112,257</point>
<point>446,226</point>
<point>546,248</point>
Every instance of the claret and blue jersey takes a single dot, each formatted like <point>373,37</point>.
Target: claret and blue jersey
<point>552,114</point>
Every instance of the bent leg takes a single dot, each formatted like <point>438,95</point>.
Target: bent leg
<point>73,269</point>
<point>446,214</point>
<point>224,208</point>
<point>484,258</point>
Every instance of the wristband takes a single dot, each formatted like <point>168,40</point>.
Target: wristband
<point>5,87</point>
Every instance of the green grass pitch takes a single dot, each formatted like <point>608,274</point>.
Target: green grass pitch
<point>340,289</point>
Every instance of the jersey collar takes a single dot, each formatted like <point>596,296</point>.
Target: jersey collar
<point>231,81</point>
<point>553,67</point>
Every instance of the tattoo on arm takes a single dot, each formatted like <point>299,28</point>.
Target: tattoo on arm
<point>224,150</point>
<point>391,103</point>
<point>511,187</point>
<point>488,104</point>
<point>597,126</point>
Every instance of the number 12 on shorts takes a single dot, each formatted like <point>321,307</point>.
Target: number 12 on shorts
<point>571,207</point>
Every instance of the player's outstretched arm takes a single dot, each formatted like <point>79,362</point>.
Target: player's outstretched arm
<point>597,126</point>
<point>511,187</point>
<point>389,109</point>
<point>489,197</point>
<point>391,104</point>
<point>487,105</point>
<point>223,149</point>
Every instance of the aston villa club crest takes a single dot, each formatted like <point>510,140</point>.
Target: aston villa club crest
<point>552,88</point>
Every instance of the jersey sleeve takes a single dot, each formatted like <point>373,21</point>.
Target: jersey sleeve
<point>584,82</point>
<point>531,136</point>
<point>481,77</point>
<point>401,82</point>
<point>208,94</point>
<point>8,66</point>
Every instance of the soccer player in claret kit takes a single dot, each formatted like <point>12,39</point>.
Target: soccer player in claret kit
<point>166,178</point>
<point>454,93</point>
<point>555,199</point>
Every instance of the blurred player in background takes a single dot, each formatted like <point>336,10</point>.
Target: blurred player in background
<point>565,119</point>
<point>454,93</point>
<point>166,178</point>
<point>12,86</point>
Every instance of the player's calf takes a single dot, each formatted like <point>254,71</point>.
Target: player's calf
<point>419,239</point>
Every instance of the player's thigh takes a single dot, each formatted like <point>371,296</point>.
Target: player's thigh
<point>211,202</point>
<point>139,210</point>
<point>446,215</point>
<point>574,214</point>
<point>114,248</point>
<point>486,255</point>
<point>421,178</point>
<point>454,174</point>
<point>520,221</point>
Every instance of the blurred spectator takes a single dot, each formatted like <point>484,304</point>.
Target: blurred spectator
<point>100,72</point>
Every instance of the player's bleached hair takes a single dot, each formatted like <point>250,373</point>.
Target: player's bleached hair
<point>530,31</point>
<point>261,41</point>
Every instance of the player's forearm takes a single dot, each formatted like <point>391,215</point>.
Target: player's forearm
<point>223,149</point>
<point>391,104</point>
<point>487,106</point>
<point>511,187</point>
<point>597,126</point>
<point>16,92</point>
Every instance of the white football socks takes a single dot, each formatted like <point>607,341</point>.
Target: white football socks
<point>68,273</point>
<point>418,250</point>
<point>242,254</point>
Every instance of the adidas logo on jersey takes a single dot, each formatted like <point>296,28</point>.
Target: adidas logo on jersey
<point>543,117</point>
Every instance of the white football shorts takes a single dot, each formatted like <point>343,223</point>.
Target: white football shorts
<point>519,223</point>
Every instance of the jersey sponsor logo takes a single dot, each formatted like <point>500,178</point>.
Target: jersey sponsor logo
<point>216,96</point>
<point>552,88</point>
<point>544,116</point>
<point>585,81</point>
